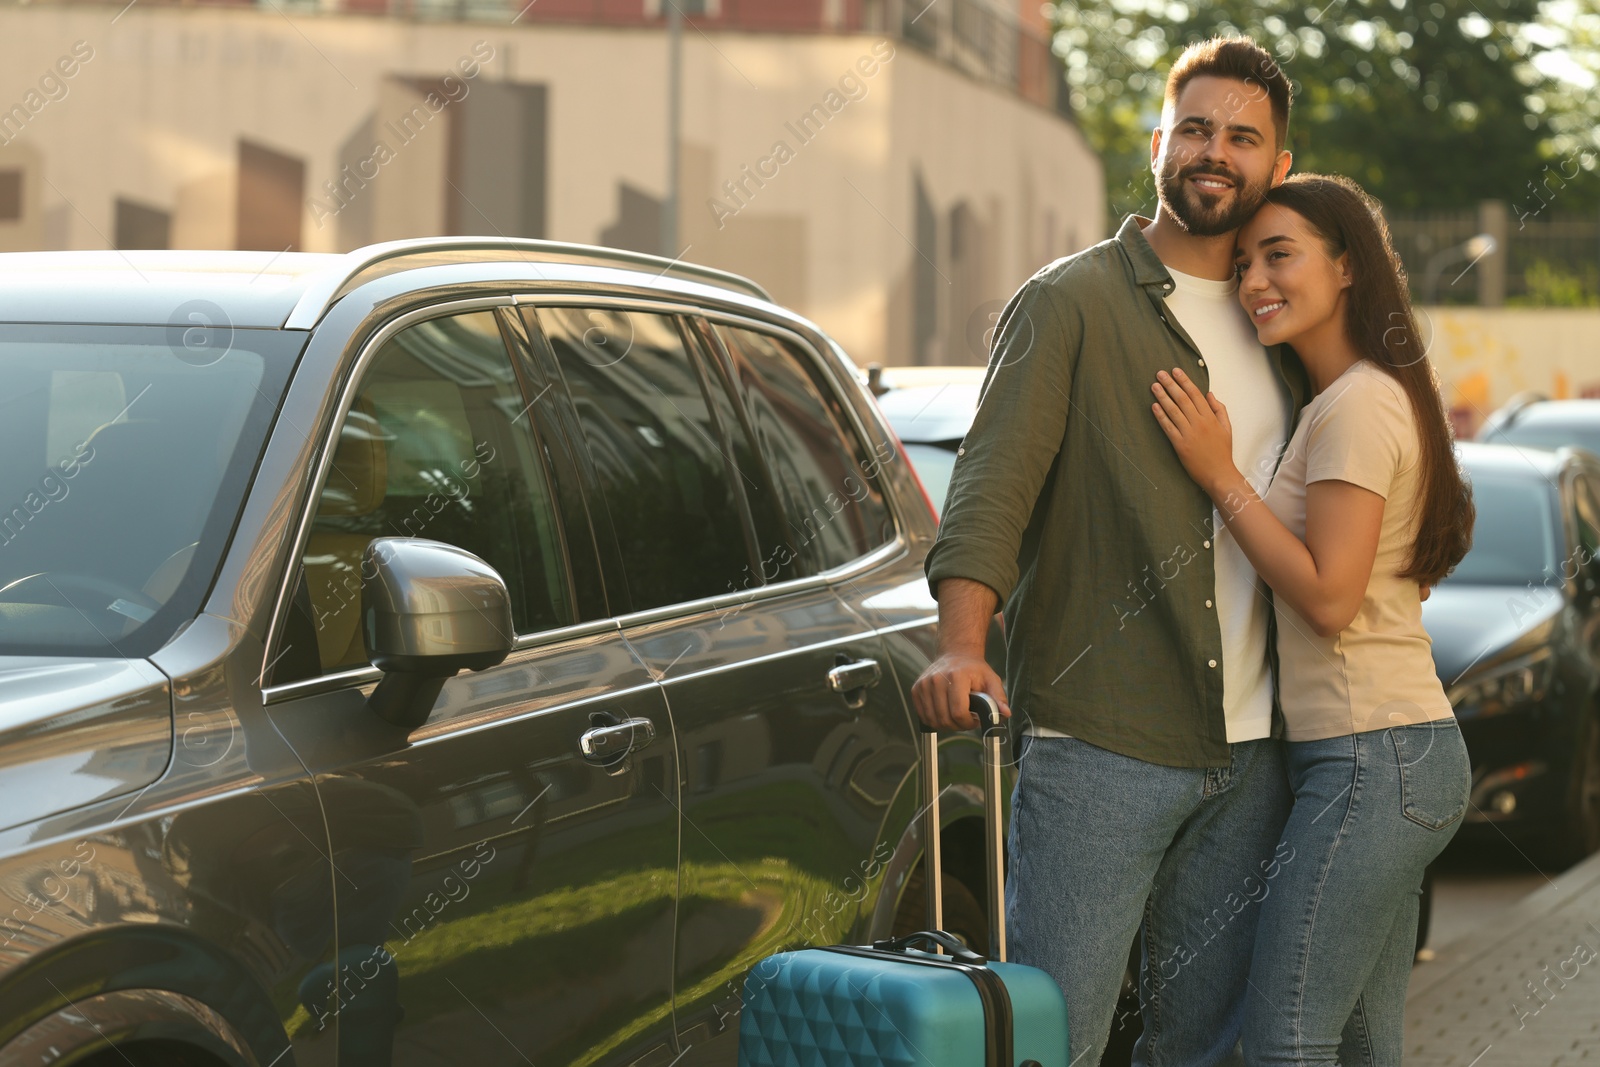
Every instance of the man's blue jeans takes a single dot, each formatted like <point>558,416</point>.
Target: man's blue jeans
<point>1336,938</point>
<point>1104,847</point>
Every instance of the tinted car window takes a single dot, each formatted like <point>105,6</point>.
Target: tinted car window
<point>124,456</point>
<point>664,463</point>
<point>434,446</point>
<point>833,500</point>
<point>1514,538</point>
<point>778,561</point>
<point>1531,433</point>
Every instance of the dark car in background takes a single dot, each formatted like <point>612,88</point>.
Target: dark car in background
<point>454,651</point>
<point>1516,640</point>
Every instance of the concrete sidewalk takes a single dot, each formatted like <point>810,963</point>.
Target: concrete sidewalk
<point>1523,990</point>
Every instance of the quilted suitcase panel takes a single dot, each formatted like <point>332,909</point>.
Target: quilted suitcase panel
<point>820,1008</point>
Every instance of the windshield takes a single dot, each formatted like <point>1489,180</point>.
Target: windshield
<point>1553,435</point>
<point>1514,537</point>
<point>124,456</point>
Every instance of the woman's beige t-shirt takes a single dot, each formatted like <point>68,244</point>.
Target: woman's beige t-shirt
<point>1378,671</point>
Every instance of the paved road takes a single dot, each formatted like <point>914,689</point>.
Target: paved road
<point>1511,985</point>
<point>1498,921</point>
<point>1474,883</point>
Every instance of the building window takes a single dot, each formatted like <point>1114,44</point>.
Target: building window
<point>655,9</point>
<point>271,197</point>
<point>10,195</point>
<point>138,226</point>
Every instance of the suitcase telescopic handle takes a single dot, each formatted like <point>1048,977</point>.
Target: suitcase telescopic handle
<point>994,736</point>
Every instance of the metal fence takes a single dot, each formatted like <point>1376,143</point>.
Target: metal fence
<point>1555,260</point>
<point>1551,260</point>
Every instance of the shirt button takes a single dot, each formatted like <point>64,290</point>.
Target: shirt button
<point>1205,544</point>
<point>1208,603</point>
<point>1211,663</point>
<point>1202,363</point>
<point>961,451</point>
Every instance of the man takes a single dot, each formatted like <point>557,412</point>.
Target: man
<point>1151,790</point>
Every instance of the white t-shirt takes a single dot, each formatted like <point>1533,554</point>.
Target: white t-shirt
<point>1243,378</point>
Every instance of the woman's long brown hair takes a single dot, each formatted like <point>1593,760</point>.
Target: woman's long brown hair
<point>1381,325</point>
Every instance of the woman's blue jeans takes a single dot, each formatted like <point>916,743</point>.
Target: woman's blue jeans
<point>1337,933</point>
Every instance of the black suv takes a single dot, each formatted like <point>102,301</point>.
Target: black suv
<point>1516,640</point>
<point>456,651</point>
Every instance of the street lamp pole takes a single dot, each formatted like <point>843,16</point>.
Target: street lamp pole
<point>669,206</point>
<point>1474,249</point>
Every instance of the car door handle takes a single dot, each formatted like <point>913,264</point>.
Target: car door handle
<point>856,674</point>
<point>608,744</point>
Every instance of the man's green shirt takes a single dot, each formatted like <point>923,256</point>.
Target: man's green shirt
<point>1068,501</point>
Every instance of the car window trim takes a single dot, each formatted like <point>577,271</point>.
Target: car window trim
<point>352,379</point>
<point>355,677</point>
<point>504,318</point>
<point>883,554</point>
<point>551,435</point>
<point>359,676</point>
<point>614,591</point>
<point>716,352</point>
<point>703,364</point>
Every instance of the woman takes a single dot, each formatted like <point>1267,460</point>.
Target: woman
<point>1367,510</point>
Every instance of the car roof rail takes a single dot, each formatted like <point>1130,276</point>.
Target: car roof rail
<point>375,261</point>
<point>1502,417</point>
<point>1580,453</point>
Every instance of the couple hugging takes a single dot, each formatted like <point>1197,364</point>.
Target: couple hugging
<point>1210,482</point>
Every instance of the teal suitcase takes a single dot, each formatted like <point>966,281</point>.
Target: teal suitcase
<point>895,1004</point>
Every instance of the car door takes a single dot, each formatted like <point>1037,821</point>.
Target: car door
<point>792,738</point>
<point>502,897</point>
<point>1583,566</point>
<point>1584,563</point>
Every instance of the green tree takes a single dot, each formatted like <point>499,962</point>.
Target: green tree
<point>1430,106</point>
<point>1550,286</point>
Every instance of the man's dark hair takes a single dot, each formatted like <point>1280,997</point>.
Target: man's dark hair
<point>1241,59</point>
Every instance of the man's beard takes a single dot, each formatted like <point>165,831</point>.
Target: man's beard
<point>1222,214</point>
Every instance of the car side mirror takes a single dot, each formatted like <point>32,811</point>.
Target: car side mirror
<point>428,610</point>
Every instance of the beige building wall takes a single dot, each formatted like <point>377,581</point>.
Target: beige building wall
<point>27,232</point>
<point>161,98</point>
<point>1485,356</point>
